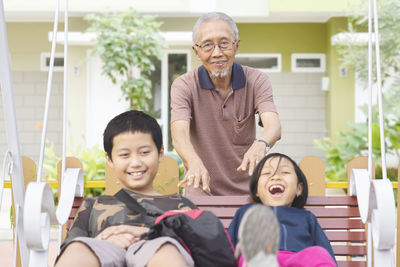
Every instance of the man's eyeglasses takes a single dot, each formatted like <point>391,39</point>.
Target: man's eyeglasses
<point>209,46</point>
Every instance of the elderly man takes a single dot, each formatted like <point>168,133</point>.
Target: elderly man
<point>213,111</point>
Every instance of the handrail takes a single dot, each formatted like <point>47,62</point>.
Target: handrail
<point>101,184</point>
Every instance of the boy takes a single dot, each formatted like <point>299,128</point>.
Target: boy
<point>105,231</point>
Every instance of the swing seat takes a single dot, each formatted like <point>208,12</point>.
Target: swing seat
<point>338,216</point>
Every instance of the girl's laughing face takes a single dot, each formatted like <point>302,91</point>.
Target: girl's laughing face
<point>278,184</point>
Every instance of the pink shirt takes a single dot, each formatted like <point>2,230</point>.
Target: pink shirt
<point>222,130</point>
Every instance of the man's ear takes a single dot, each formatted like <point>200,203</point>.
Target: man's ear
<point>109,160</point>
<point>161,155</point>
<point>237,46</point>
<point>196,52</point>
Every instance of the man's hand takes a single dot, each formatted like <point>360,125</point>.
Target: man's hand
<point>122,235</point>
<point>196,172</point>
<point>253,156</point>
<point>195,175</point>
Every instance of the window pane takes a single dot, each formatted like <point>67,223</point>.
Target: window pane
<point>308,62</point>
<point>258,62</point>
<point>155,102</point>
<point>177,65</point>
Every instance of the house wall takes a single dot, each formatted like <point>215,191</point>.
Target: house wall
<point>284,38</point>
<point>301,107</point>
<point>30,95</point>
<point>26,43</point>
<point>340,98</point>
<point>293,92</point>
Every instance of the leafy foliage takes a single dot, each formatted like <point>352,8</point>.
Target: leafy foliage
<point>126,43</point>
<point>353,142</point>
<point>93,162</point>
<point>355,56</point>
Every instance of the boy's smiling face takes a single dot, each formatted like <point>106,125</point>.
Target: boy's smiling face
<point>135,160</point>
<point>278,184</point>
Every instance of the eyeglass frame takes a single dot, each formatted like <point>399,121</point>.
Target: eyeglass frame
<point>214,45</point>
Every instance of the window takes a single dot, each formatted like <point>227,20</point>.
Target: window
<point>263,62</point>
<point>173,64</point>
<point>58,61</point>
<point>308,62</point>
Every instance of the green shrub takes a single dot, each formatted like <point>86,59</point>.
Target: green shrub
<point>93,161</point>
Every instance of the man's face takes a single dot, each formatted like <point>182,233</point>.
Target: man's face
<point>217,62</point>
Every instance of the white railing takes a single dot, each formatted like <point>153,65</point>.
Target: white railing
<point>35,210</point>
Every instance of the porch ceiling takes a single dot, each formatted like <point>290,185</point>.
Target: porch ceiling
<point>273,17</point>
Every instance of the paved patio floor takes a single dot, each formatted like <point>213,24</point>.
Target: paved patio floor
<point>7,250</point>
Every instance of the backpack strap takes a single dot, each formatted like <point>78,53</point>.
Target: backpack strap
<point>132,204</point>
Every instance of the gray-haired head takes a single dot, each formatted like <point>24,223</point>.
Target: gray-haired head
<point>214,15</point>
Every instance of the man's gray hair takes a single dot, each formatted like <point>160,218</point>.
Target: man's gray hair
<point>214,15</point>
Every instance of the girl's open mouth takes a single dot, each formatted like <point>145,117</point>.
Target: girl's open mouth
<point>276,190</point>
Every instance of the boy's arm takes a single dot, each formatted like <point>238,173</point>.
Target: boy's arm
<point>188,203</point>
<point>80,227</point>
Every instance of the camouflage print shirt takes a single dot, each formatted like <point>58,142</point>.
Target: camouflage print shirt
<point>98,213</point>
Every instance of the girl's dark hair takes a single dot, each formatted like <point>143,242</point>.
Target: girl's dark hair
<point>299,201</point>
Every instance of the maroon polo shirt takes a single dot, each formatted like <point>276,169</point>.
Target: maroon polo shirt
<point>222,130</point>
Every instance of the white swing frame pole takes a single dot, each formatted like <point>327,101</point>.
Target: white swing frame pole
<point>370,171</point>
<point>11,128</point>
<point>64,149</point>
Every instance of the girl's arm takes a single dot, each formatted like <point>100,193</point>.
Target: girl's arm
<point>320,239</point>
<point>233,228</point>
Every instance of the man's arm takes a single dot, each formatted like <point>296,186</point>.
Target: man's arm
<point>271,134</point>
<point>196,171</point>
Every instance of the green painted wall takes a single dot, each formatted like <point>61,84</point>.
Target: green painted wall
<point>284,38</point>
<point>340,97</point>
<point>27,41</point>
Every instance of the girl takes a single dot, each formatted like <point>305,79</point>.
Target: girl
<point>279,183</point>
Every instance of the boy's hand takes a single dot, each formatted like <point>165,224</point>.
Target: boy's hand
<point>122,240</point>
<point>197,173</point>
<point>122,235</point>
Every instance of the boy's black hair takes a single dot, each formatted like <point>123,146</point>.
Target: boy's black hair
<point>299,201</point>
<point>131,121</point>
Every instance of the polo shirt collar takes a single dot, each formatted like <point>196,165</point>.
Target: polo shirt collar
<point>238,77</point>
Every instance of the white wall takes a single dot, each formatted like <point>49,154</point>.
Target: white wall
<point>301,107</point>
<point>103,102</point>
<point>30,96</point>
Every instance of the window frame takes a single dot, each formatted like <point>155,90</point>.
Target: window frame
<point>319,56</point>
<point>44,56</point>
<point>264,55</point>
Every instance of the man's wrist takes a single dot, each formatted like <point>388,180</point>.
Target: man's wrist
<point>267,146</point>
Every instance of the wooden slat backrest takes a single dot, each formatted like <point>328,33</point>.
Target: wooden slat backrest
<point>166,181</point>
<point>338,216</point>
<point>314,169</point>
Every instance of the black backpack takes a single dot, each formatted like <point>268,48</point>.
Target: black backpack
<point>200,232</point>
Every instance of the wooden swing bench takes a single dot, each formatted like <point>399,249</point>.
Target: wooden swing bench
<point>338,215</point>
